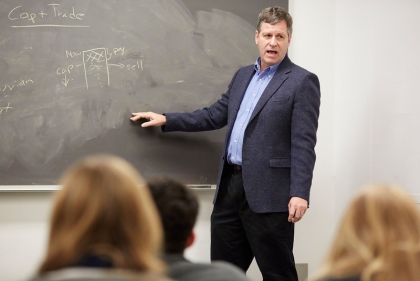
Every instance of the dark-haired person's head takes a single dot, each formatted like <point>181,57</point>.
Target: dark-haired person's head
<point>178,208</point>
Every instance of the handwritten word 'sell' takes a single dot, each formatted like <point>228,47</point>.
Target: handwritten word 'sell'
<point>16,14</point>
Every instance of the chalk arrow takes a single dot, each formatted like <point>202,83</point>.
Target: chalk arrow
<point>65,81</point>
<point>120,65</point>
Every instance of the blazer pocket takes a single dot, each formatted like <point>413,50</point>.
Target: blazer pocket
<point>280,162</point>
<point>279,99</point>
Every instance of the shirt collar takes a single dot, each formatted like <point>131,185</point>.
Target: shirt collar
<point>270,70</point>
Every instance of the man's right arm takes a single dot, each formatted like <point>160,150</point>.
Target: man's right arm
<point>206,119</point>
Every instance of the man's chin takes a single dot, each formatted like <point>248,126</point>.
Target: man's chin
<point>270,62</point>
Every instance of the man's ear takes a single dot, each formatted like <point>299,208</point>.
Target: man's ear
<point>256,37</point>
<point>190,239</point>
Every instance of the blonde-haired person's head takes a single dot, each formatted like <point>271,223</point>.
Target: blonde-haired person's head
<point>378,238</point>
<point>104,208</point>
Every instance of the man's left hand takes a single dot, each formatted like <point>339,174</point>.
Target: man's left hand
<point>297,208</point>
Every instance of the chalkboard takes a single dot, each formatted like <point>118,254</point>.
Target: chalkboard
<point>71,73</point>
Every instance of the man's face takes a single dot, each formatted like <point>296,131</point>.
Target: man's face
<point>272,41</point>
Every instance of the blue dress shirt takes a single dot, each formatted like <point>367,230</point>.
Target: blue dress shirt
<point>253,93</point>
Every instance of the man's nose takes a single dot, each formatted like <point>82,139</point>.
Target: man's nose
<point>273,41</point>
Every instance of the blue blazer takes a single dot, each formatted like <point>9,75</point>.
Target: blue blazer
<point>278,155</point>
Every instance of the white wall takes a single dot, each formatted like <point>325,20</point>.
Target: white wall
<point>23,232</point>
<point>366,56</point>
<point>377,102</point>
<point>313,47</point>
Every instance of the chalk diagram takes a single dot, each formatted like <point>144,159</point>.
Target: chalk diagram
<point>96,66</point>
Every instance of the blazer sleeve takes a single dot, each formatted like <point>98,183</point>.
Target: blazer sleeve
<point>206,119</point>
<point>303,135</point>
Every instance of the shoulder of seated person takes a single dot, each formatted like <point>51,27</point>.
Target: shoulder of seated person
<point>207,271</point>
<point>84,273</point>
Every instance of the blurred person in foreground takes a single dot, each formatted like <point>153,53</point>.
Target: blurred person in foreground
<point>104,225</point>
<point>378,239</point>
<point>178,207</point>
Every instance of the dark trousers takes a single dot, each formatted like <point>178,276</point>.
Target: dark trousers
<point>238,234</point>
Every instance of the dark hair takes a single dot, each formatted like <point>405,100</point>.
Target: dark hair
<point>178,208</point>
<point>273,15</point>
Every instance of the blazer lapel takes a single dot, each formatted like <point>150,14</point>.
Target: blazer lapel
<point>236,99</point>
<point>278,79</point>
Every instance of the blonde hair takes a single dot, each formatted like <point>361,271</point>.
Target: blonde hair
<point>104,208</point>
<point>378,238</point>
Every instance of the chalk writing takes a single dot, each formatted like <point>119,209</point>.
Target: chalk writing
<point>62,70</point>
<point>65,81</point>
<point>16,84</point>
<point>96,64</point>
<point>48,25</point>
<point>53,12</point>
<point>5,108</point>
<point>135,56</point>
<point>116,50</point>
<point>129,66</point>
<point>117,64</point>
<point>72,54</point>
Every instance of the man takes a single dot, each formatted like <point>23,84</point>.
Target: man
<point>271,112</point>
<point>178,208</point>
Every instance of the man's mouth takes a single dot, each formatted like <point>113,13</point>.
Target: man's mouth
<point>270,52</point>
